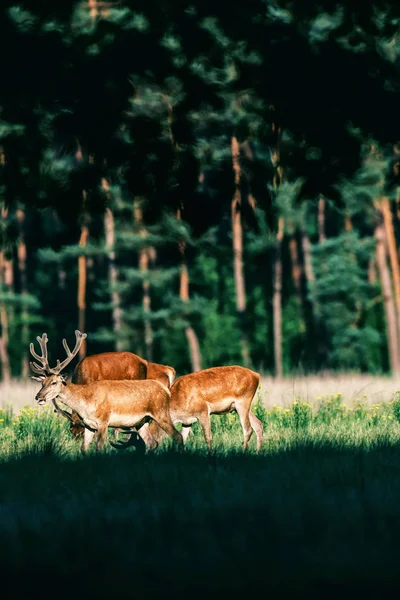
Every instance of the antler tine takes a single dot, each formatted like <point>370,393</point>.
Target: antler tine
<point>70,355</point>
<point>42,359</point>
<point>36,368</point>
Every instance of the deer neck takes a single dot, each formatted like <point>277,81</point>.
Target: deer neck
<point>74,397</point>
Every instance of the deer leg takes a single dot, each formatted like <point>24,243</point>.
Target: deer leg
<point>166,424</point>
<point>186,432</point>
<point>204,420</point>
<point>101,437</point>
<point>257,426</point>
<point>243,412</point>
<point>87,438</point>
<point>147,436</point>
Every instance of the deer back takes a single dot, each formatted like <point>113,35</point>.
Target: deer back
<point>211,385</point>
<point>110,366</point>
<point>137,395</point>
<point>161,373</point>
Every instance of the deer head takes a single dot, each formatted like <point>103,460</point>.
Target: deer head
<point>50,377</point>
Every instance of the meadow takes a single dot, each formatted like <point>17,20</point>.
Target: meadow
<point>315,512</point>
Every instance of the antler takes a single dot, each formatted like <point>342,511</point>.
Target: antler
<point>45,368</point>
<point>70,355</point>
<point>43,359</point>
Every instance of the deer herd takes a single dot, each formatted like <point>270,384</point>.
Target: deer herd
<point>123,391</point>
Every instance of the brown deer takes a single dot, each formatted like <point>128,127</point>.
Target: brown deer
<point>217,391</point>
<point>102,404</point>
<point>115,366</point>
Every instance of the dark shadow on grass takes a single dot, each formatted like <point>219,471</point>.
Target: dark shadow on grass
<point>315,520</point>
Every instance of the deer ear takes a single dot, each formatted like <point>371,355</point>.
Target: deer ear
<point>41,378</point>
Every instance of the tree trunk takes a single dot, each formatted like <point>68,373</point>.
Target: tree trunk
<point>306,247</point>
<point>315,330</point>
<point>394,261</point>
<point>321,219</point>
<point>297,273</point>
<point>144,255</point>
<point>82,265</point>
<point>372,270</point>
<point>6,284</point>
<point>109,229</point>
<point>348,225</point>
<point>390,311</point>
<point>277,301</point>
<point>4,357</point>
<point>296,266</point>
<point>398,202</point>
<point>82,288</point>
<point>193,342</point>
<point>113,275</point>
<point>237,242</point>
<point>21,251</point>
<point>148,332</point>
<point>191,336</point>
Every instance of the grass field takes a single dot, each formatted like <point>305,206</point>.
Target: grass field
<point>316,512</point>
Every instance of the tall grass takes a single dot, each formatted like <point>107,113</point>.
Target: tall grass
<point>316,509</point>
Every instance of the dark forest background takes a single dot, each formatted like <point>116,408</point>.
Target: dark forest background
<point>202,185</point>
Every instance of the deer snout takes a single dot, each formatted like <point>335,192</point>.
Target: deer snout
<point>39,399</point>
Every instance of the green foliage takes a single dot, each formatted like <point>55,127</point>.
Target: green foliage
<point>330,409</point>
<point>160,130</point>
<point>342,295</point>
<point>302,414</point>
<point>396,407</point>
<point>32,425</point>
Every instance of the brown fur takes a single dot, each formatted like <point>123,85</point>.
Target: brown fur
<point>110,366</point>
<point>218,390</point>
<point>102,404</point>
<point>116,366</point>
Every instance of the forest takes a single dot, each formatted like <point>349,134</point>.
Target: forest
<point>201,184</point>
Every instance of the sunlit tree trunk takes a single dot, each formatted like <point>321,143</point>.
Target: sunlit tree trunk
<point>22,256</point>
<point>82,264</point>
<point>144,256</point>
<point>109,229</point>
<point>390,311</point>
<point>113,275</point>
<point>372,277</point>
<point>7,285</point>
<point>191,336</point>
<point>278,267</point>
<point>296,265</point>
<point>277,301</point>
<point>4,356</point>
<point>237,242</point>
<point>306,247</point>
<point>321,219</point>
<point>297,273</point>
<point>392,251</point>
<point>82,278</point>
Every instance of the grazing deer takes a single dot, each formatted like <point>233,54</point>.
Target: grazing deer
<point>102,404</point>
<point>115,366</point>
<point>217,391</point>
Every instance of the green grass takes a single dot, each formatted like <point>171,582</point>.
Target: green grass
<point>315,512</point>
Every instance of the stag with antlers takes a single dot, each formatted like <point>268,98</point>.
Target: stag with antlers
<point>115,366</point>
<point>126,405</point>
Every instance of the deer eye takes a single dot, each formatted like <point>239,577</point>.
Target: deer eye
<point>53,382</point>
